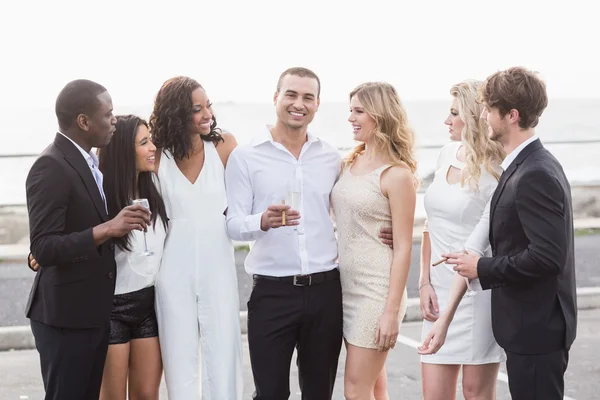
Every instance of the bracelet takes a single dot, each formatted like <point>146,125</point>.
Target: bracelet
<point>423,285</point>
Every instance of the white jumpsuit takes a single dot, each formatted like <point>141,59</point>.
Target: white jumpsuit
<point>196,291</point>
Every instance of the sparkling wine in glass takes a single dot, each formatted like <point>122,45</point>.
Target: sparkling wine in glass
<point>144,203</point>
<point>294,198</point>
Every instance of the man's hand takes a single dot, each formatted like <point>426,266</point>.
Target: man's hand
<point>135,217</point>
<point>386,236</point>
<point>33,263</point>
<point>273,217</point>
<point>464,264</point>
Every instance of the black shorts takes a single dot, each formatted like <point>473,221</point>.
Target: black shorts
<point>133,316</point>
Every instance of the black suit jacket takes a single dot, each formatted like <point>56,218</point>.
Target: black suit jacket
<point>76,281</point>
<point>532,271</point>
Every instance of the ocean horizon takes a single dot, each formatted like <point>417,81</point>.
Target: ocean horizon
<point>564,123</point>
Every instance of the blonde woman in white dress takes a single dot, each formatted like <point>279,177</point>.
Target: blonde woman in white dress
<point>377,189</point>
<point>457,206</point>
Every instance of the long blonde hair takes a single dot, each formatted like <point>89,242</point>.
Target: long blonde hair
<point>393,137</point>
<point>480,150</point>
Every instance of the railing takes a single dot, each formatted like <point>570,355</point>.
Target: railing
<point>424,146</point>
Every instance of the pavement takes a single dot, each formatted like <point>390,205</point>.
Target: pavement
<point>20,371</point>
<point>16,280</point>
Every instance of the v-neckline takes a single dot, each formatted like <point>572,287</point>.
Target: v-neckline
<point>199,173</point>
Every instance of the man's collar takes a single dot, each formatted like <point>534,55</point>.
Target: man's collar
<point>510,158</point>
<point>88,156</point>
<point>266,136</point>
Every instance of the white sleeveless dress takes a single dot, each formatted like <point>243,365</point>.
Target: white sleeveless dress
<point>196,290</point>
<point>457,214</point>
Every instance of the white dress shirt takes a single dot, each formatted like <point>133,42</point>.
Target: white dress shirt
<point>255,178</point>
<point>92,162</point>
<point>513,154</point>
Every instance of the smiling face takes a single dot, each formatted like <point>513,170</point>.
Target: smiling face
<point>297,101</point>
<point>144,150</point>
<point>202,115</point>
<point>363,125</point>
<point>454,122</point>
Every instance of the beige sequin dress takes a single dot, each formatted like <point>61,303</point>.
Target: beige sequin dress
<point>360,211</point>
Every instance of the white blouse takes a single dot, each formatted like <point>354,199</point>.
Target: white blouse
<point>136,271</point>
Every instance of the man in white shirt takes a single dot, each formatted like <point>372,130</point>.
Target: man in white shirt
<point>296,301</point>
<point>532,268</point>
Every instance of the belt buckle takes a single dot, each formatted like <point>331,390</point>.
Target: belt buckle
<point>296,283</point>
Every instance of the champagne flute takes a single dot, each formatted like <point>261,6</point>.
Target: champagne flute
<point>294,197</point>
<point>144,203</point>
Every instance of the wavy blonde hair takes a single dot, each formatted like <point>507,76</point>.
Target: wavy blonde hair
<point>393,137</point>
<point>480,150</point>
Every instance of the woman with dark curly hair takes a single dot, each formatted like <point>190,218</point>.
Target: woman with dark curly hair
<point>196,292</point>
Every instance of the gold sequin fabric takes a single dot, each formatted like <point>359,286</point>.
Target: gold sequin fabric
<point>360,211</point>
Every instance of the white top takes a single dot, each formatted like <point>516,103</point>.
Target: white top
<point>255,176</point>
<point>136,271</point>
<point>513,154</point>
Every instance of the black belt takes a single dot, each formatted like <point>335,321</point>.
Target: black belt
<point>303,280</point>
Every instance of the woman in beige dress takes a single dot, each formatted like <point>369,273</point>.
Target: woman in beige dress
<point>377,188</point>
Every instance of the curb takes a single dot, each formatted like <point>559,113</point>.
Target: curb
<point>21,338</point>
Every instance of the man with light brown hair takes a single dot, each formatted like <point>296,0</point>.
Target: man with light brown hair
<point>532,268</point>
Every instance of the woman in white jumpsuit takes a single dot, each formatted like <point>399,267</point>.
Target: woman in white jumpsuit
<point>196,291</point>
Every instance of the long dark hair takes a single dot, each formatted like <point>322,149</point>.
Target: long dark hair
<point>118,166</point>
<point>172,117</point>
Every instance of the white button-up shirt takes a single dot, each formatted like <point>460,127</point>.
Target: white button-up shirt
<point>513,154</point>
<point>256,177</point>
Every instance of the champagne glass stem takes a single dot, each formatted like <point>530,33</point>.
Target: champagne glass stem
<point>145,243</point>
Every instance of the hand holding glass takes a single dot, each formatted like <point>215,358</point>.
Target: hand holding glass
<point>144,203</point>
<point>294,199</point>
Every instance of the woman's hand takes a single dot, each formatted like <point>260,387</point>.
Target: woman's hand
<point>429,305</point>
<point>435,338</point>
<point>387,333</point>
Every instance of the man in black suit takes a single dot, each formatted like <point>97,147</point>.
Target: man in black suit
<point>532,268</point>
<point>71,298</point>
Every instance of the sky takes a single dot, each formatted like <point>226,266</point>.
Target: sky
<point>237,49</point>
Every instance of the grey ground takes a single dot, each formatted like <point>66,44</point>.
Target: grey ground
<point>20,374</point>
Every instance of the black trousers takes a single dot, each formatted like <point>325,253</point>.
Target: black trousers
<point>537,376</point>
<point>72,360</point>
<point>282,317</point>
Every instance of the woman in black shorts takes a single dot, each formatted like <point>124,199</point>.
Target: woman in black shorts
<point>133,362</point>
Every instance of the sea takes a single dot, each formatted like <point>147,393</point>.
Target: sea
<point>569,128</point>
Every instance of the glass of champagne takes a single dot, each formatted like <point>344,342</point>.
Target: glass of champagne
<point>294,198</point>
<point>144,203</point>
